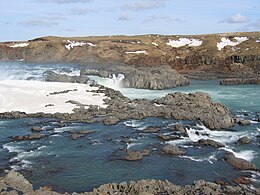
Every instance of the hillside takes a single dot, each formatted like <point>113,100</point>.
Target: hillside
<point>230,53</point>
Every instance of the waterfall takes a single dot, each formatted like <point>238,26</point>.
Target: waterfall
<point>116,80</point>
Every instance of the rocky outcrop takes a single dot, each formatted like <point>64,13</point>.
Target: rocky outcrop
<point>173,150</point>
<point>162,77</point>
<point>180,106</point>
<point>51,76</point>
<point>15,183</point>
<point>154,78</point>
<point>151,129</point>
<point>33,136</point>
<point>209,142</point>
<point>239,81</point>
<point>239,163</point>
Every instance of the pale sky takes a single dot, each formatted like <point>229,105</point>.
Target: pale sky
<point>28,19</point>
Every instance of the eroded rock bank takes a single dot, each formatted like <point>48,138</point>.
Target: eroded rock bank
<point>15,183</point>
<point>193,106</point>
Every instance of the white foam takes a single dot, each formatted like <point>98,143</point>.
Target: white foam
<point>210,159</point>
<point>11,148</point>
<point>114,81</point>
<point>74,44</point>
<point>133,123</point>
<point>33,96</point>
<point>136,52</point>
<point>184,41</point>
<point>245,154</point>
<point>227,42</point>
<point>19,45</point>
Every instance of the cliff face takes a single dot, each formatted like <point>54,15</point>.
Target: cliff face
<point>223,53</point>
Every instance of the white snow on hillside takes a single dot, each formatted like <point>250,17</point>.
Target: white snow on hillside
<point>136,52</point>
<point>258,41</point>
<point>184,41</point>
<point>19,45</point>
<point>91,44</point>
<point>225,42</point>
<point>74,44</point>
<point>155,44</point>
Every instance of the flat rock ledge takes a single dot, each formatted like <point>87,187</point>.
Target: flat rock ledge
<point>194,106</point>
<point>240,81</point>
<point>15,183</point>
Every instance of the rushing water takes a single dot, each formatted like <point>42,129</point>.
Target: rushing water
<point>79,165</point>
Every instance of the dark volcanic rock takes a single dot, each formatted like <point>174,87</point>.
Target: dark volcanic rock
<point>167,137</point>
<point>51,76</point>
<point>33,136</point>
<point>154,78</point>
<point>173,150</point>
<point>181,129</point>
<point>239,163</point>
<point>244,140</point>
<point>209,142</point>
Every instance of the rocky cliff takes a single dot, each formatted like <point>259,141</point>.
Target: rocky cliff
<point>231,53</point>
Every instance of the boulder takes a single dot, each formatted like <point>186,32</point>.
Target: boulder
<point>173,150</point>
<point>209,142</point>
<point>180,129</point>
<point>242,180</point>
<point>239,163</point>
<point>33,136</point>
<point>36,128</point>
<point>244,122</point>
<point>111,120</point>
<point>244,140</point>
<point>167,137</point>
<point>133,156</point>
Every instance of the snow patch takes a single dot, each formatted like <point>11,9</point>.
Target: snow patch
<point>155,44</point>
<point>91,44</point>
<point>225,42</point>
<point>33,96</point>
<point>19,45</point>
<point>74,44</point>
<point>136,52</point>
<point>184,41</point>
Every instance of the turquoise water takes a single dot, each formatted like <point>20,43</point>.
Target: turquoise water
<point>79,165</point>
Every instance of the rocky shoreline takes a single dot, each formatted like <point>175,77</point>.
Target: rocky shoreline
<point>197,106</point>
<point>15,183</point>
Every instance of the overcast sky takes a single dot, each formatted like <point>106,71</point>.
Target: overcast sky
<point>27,19</point>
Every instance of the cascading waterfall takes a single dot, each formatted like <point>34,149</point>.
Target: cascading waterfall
<point>116,80</point>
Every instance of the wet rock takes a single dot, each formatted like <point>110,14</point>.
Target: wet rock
<point>240,81</point>
<point>239,163</point>
<point>173,150</point>
<point>111,120</point>
<point>36,128</point>
<point>244,122</point>
<point>33,136</point>
<point>151,130</point>
<point>244,140</point>
<point>51,76</point>
<point>133,156</point>
<point>242,180</point>
<point>181,129</point>
<point>76,136</point>
<point>209,142</point>
<point>145,152</point>
<point>167,137</point>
